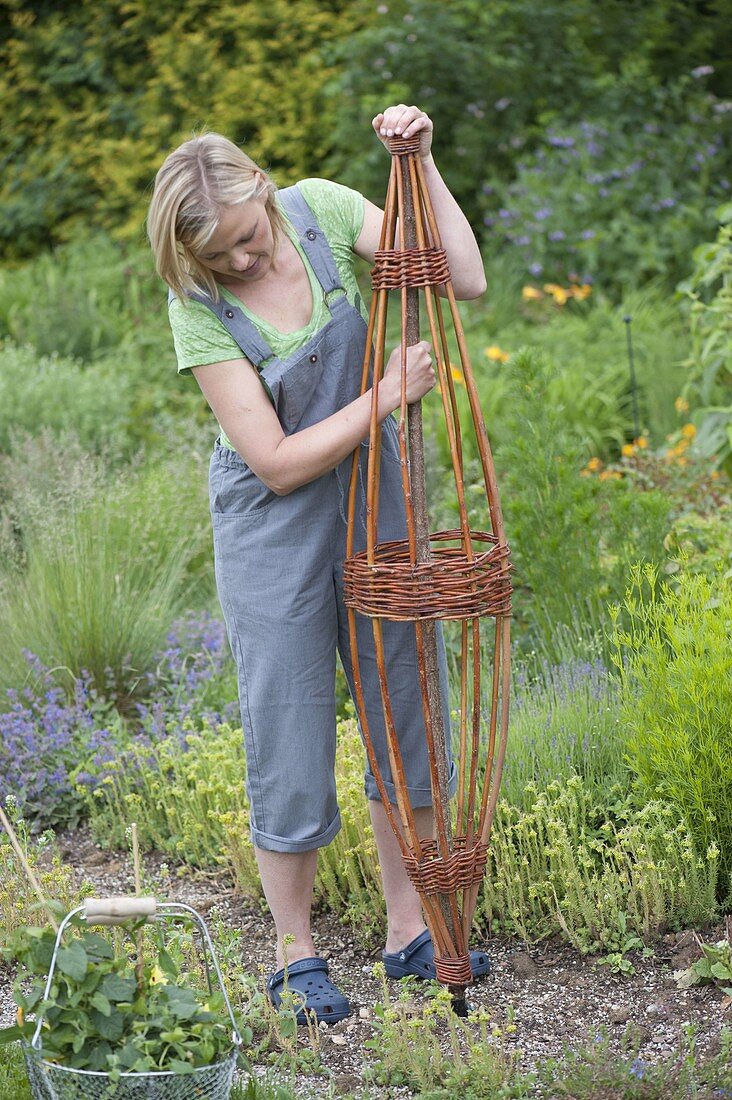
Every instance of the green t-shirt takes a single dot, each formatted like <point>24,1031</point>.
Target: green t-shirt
<point>199,336</point>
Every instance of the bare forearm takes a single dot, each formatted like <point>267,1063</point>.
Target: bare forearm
<point>458,239</point>
<point>306,455</point>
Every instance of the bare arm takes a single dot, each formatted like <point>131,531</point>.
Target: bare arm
<point>458,239</point>
<point>285,462</point>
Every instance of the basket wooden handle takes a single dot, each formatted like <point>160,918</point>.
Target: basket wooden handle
<point>118,910</point>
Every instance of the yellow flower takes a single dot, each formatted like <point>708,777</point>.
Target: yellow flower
<point>581,292</point>
<point>681,405</point>
<point>594,463</point>
<point>457,375</point>
<point>641,442</point>
<point>496,354</point>
<point>714,475</point>
<point>531,293</point>
<point>558,293</point>
<point>628,450</point>
<point>688,431</point>
<point>608,475</point>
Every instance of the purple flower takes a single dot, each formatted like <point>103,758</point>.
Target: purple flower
<point>560,142</point>
<point>523,241</point>
<point>543,213</point>
<point>536,268</point>
<point>557,235</point>
<point>51,740</point>
<point>587,234</point>
<point>702,70</point>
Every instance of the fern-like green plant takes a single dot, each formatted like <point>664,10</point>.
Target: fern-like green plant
<point>674,661</point>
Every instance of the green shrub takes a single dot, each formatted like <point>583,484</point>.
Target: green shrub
<point>595,870</point>
<point>709,291</point>
<point>101,567</point>
<point>79,301</point>
<point>675,666</point>
<point>502,79</point>
<point>182,792</point>
<point>115,86</point>
<point>62,397</point>
<point>571,538</point>
<point>624,194</point>
<point>574,862</point>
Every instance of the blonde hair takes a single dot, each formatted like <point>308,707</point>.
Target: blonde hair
<point>195,183</point>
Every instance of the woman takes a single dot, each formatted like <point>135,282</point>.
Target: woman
<point>266,313</point>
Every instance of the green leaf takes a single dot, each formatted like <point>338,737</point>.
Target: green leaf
<point>129,1056</point>
<point>118,989</point>
<point>721,970</point>
<point>109,1027</point>
<point>182,1002</point>
<point>98,1057</point>
<point>98,946</point>
<point>177,1066</point>
<point>10,1034</point>
<point>166,963</point>
<point>101,1003</point>
<point>73,961</point>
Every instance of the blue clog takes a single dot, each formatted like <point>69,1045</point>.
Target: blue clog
<point>308,980</point>
<point>418,959</point>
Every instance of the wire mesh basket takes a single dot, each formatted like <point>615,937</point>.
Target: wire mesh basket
<point>49,1081</point>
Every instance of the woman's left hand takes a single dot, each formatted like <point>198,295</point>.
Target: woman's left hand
<point>403,121</point>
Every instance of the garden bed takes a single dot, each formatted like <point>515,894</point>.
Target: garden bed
<point>553,997</point>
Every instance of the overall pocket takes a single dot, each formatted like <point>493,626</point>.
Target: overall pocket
<point>234,490</point>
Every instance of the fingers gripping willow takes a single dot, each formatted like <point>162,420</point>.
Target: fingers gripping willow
<point>460,574</point>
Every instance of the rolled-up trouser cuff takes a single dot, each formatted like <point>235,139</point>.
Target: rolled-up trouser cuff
<point>418,796</point>
<point>283,844</point>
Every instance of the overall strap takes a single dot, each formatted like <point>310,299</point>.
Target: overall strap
<point>242,330</point>
<point>312,239</point>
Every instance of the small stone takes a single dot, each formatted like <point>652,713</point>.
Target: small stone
<point>364,1013</point>
<point>653,1010</point>
<point>524,965</point>
<point>619,1014</point>
<point>339,1040</point>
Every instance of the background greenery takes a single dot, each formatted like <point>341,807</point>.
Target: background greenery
<point>589,145</point>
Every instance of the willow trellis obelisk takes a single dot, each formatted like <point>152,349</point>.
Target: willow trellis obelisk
<point>460,574</point>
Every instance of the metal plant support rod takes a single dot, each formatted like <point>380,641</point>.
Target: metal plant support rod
<point>427,577</point>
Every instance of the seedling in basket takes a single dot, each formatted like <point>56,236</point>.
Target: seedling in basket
<point>105,1016</point>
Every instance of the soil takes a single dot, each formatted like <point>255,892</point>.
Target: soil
<point>558,998</point>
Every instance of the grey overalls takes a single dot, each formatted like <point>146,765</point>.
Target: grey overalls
<point>279,573</point>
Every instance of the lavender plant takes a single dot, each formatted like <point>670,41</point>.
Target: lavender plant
<point>564,721</point>
<point>55,741</point>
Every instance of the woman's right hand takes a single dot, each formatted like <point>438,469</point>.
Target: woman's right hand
<point>420,375</point>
